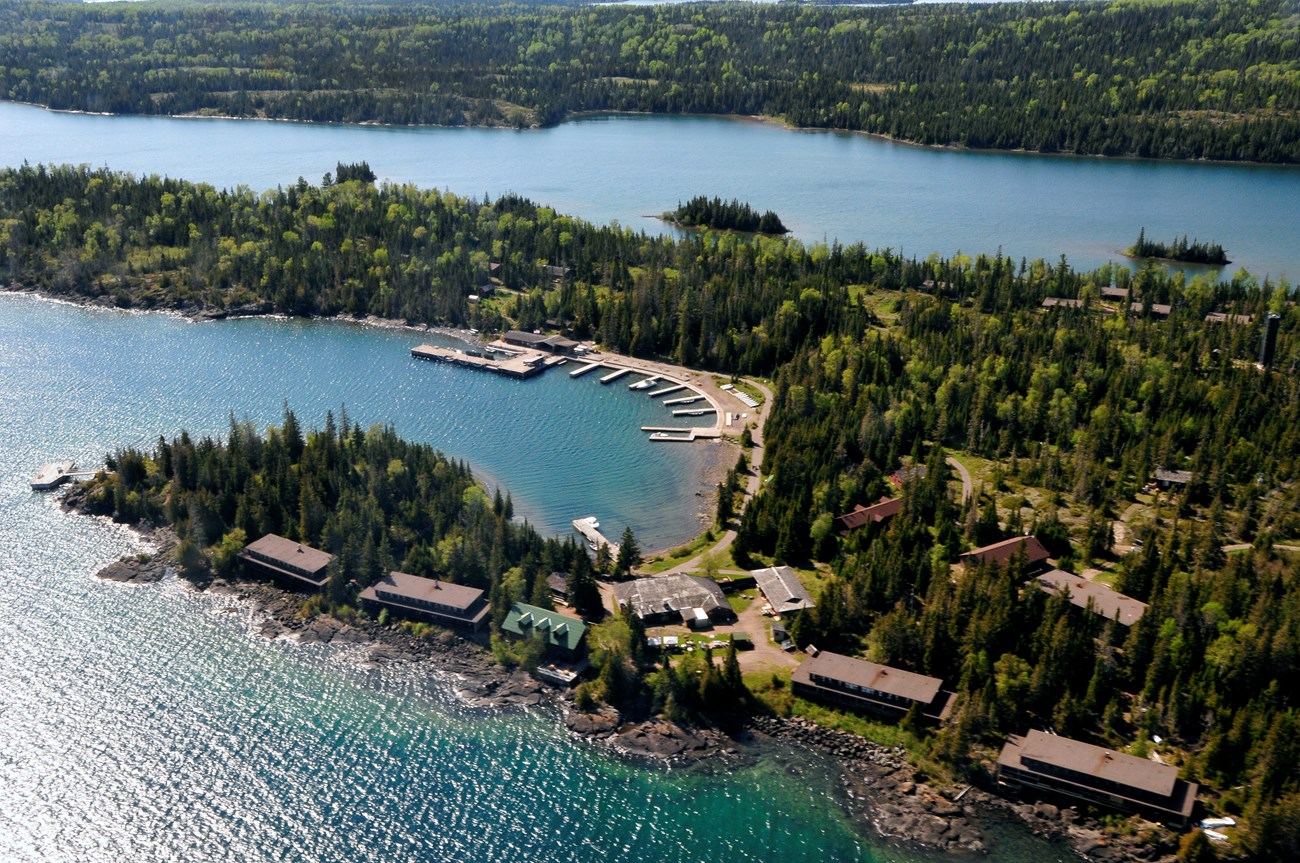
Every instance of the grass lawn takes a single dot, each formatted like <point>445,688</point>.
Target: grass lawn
<point>665,561</point>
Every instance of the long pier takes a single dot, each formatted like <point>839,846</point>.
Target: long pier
<point>673,434</point>
<point>666,390</point>
<point>685,401</point>
<point>579,372</point>
<point>589,527</point>
<point>695,412</point>
<point>614,375</point>
<point>520,366</point>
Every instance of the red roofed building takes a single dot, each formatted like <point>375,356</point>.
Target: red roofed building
<point>887,508</point>
<point>1002,553</point>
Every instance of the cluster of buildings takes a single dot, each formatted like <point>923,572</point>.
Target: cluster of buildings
<point>433,600</point>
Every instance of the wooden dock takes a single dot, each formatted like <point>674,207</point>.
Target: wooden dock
<point>673,434</point>
<point>614,375</point>
<point>685,401</point>
<point>589,527</point>
<point>666,390</point>
<point>53,475</point>
<point>518,366</point>
<point>695,412</point>
<point>579,372</point>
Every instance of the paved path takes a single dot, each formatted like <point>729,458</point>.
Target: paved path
<point>967,488</point>
<point>752,483</point>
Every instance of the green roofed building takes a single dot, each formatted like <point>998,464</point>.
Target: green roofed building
<point>560,631</point>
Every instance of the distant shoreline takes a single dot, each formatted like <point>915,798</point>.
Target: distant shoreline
<point>578,116</point>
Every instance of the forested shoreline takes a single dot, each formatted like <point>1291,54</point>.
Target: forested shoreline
<point>1207,79</point>
<point>877,361</point>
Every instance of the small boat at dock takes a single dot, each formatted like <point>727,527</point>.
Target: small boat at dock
<point>643,385</point>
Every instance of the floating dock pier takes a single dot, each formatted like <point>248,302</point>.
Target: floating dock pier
<point>589,527</point>
<point>673,434</point>
<point>666,390</point>
<point>518,366</point>
<point>614,375</point>
<point>54,474</point>
<point>579,372</point>
<point>695,412</point>
<point>685,401</point>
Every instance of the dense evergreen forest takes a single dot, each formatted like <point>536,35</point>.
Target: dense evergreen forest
<point>1202,79</point>
<point>1195,252</point>
<point>375,501</point>
<point>877,360</point>
<point>705,212</point>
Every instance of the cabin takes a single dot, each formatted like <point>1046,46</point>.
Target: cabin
<point>1002,553</point>
<point>1228,318</point>
<point>558,345</point>
<point>1083,773</point>
<point>556,273</point>
<point>1100,599</point>
<point>440,602</point>
<point>286,561</point>
<point>877,513</point>
<point>1114,293</point>
<point>782,589</point>
<point>674,599</point>
<point>1167,479</point>
<point>562,633</point>
<point>906,474</point>
<point>871,687</point>
<point>558,582</point>
<point>1062,303</point>
<point>1158,310</point>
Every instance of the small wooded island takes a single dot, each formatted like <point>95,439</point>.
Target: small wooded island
<point>1195,252</point>
<point>719,215</point>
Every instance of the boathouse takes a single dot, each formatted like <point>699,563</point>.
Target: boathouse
<point>440,602</point>
<point>1111,604</point>
<point>558,345</point>
<point>287,561</point>
<point>674,598</point>
<point>1002,553</point>
<point>1084,773</point>
<point>862,685</point>
<point>782,589</point>
<point>877,513</point>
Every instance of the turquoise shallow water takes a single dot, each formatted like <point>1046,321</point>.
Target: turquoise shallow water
<point>824,185</point>
<point>152,724</point>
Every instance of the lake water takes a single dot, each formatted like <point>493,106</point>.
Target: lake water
<point>152,724</point>
<point>824,185</point>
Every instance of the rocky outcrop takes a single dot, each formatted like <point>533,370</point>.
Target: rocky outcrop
<point>885,793</point>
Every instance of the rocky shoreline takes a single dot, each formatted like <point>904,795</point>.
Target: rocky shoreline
<point>883,794</point>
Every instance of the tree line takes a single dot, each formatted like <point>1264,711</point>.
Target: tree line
<point>877,361</point>
<point>1208,79</point>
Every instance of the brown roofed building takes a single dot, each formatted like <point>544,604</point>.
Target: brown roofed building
<point>538,342</point>
<point>438,601</point>
<point>1002,553</point>
<point>673,598</point>
<point>1167,479</point>
<point>887,508</point>
<point>287,561</point>
<point>1062,302</point>
<point>1114,293</point>
<point>863,685</point>
<point>1228,318</point>
<point>1159,310</point>
<point>1092,774</point>
<point>1108,603</point>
